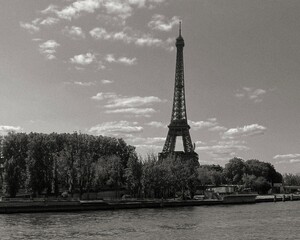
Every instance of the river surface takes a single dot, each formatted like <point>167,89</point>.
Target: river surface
<point>279,220</point>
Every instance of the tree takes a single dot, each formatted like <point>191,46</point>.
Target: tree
<point>291,179</point>
<point>261,185</point>
<point>1,161</point>
<point>234,171</point>
<point>114,167</point>
<point>204,176</point>
<point>263,169</point>
<point>39,164</point>
<point>84,163</point>
<point>150,176</point>
<point>12,177</point>
<point>249,181</point>
<point>192,165</point>
<point>211,174</point>
<point>133,175</point>
<point>14,152</point>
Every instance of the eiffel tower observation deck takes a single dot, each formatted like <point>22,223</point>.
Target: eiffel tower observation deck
<point>178,126</point>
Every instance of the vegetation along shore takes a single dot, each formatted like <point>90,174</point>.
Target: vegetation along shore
<point>62,170</point>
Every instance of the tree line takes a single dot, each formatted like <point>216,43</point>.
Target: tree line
<point>46,163</point>
<point>252,174</point>
<point>81,163</point>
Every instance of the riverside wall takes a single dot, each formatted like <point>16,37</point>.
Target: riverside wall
<point>32,206</point>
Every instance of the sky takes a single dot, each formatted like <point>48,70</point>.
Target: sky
<point>107,67</point>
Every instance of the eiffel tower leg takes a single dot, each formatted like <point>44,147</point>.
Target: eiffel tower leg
<point>187,142</point>
<point>170,143</point>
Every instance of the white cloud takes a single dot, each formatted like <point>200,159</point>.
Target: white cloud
<point>156,1</point>
<point>131,102</point>
<point>130,36</point>
<point>83,59</point>
<point>217,129</point>
<point>223,150</point>
<point>100,33</point>
<point>203,124</point>
<point>110,20</point>
<point>121,9</point>
<point>49,21</point>
<point>116,128</point>
<point>159,22</point>
<point>110,58</point>
<point>197,143</point>
<point>123,60</point>
<point>294,160</point>
<point>101,96</point>
<point>48,49</point>
<point>106,81</point>
<point>74,32</point>
<point>152,140</point>
<point>248,130</point>
<point>4,129</point>
<point>85,84</point>
<point>147,145</point>
<point>157,124</point>
<point>136,105</point>
<point>286,156</point>
<point>127,61</point>
<point>122,36</point>
<point>146,141</point>
<point>30,27</point>
<point>75,9</point>
<point>118,7</point>
<point>147,40</point>
<point>139,3</point>
<point>145,112</point>
<point>50,9</point>
<point>49,44</point>
<point>251,94</point>
<point>149,148</point>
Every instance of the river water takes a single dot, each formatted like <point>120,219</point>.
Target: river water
<point>279,220</point>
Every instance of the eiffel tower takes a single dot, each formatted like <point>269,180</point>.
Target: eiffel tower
<point>179,125</point>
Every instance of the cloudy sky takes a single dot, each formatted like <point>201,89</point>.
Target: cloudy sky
<point>107,67</point>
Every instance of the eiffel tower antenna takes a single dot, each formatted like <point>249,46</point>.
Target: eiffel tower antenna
<point>178,126</point>
<point>179,28</point>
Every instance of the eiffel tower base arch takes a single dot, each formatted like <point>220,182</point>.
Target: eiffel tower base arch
<point>180,155</point>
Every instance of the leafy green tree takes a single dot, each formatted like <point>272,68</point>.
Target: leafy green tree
<point>204,176</point>
<point>114,167</point>
<point>169,177</point>
<point>1,161</point>
<point>133,175</point>
<point>12,176</point>
<point>261,185</point>
<point>150,176</point>
<point>263,169</point>
<point>83,163</point>
<point>14,152</point>
<point>211,174</point>
<point>249,181</point>
<point>234,171</point>
<point>291,179</point>
<point>39,163</point>
<point>192,164</point>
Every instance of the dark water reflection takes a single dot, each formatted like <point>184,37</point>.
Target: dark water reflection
<point>259,221</point>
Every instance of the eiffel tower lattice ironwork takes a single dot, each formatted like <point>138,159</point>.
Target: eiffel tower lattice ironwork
<point>179,124</point>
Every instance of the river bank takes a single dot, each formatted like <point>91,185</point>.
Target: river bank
<point>44,205</point>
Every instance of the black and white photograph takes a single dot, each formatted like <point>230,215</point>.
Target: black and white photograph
<point>149,119</point>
